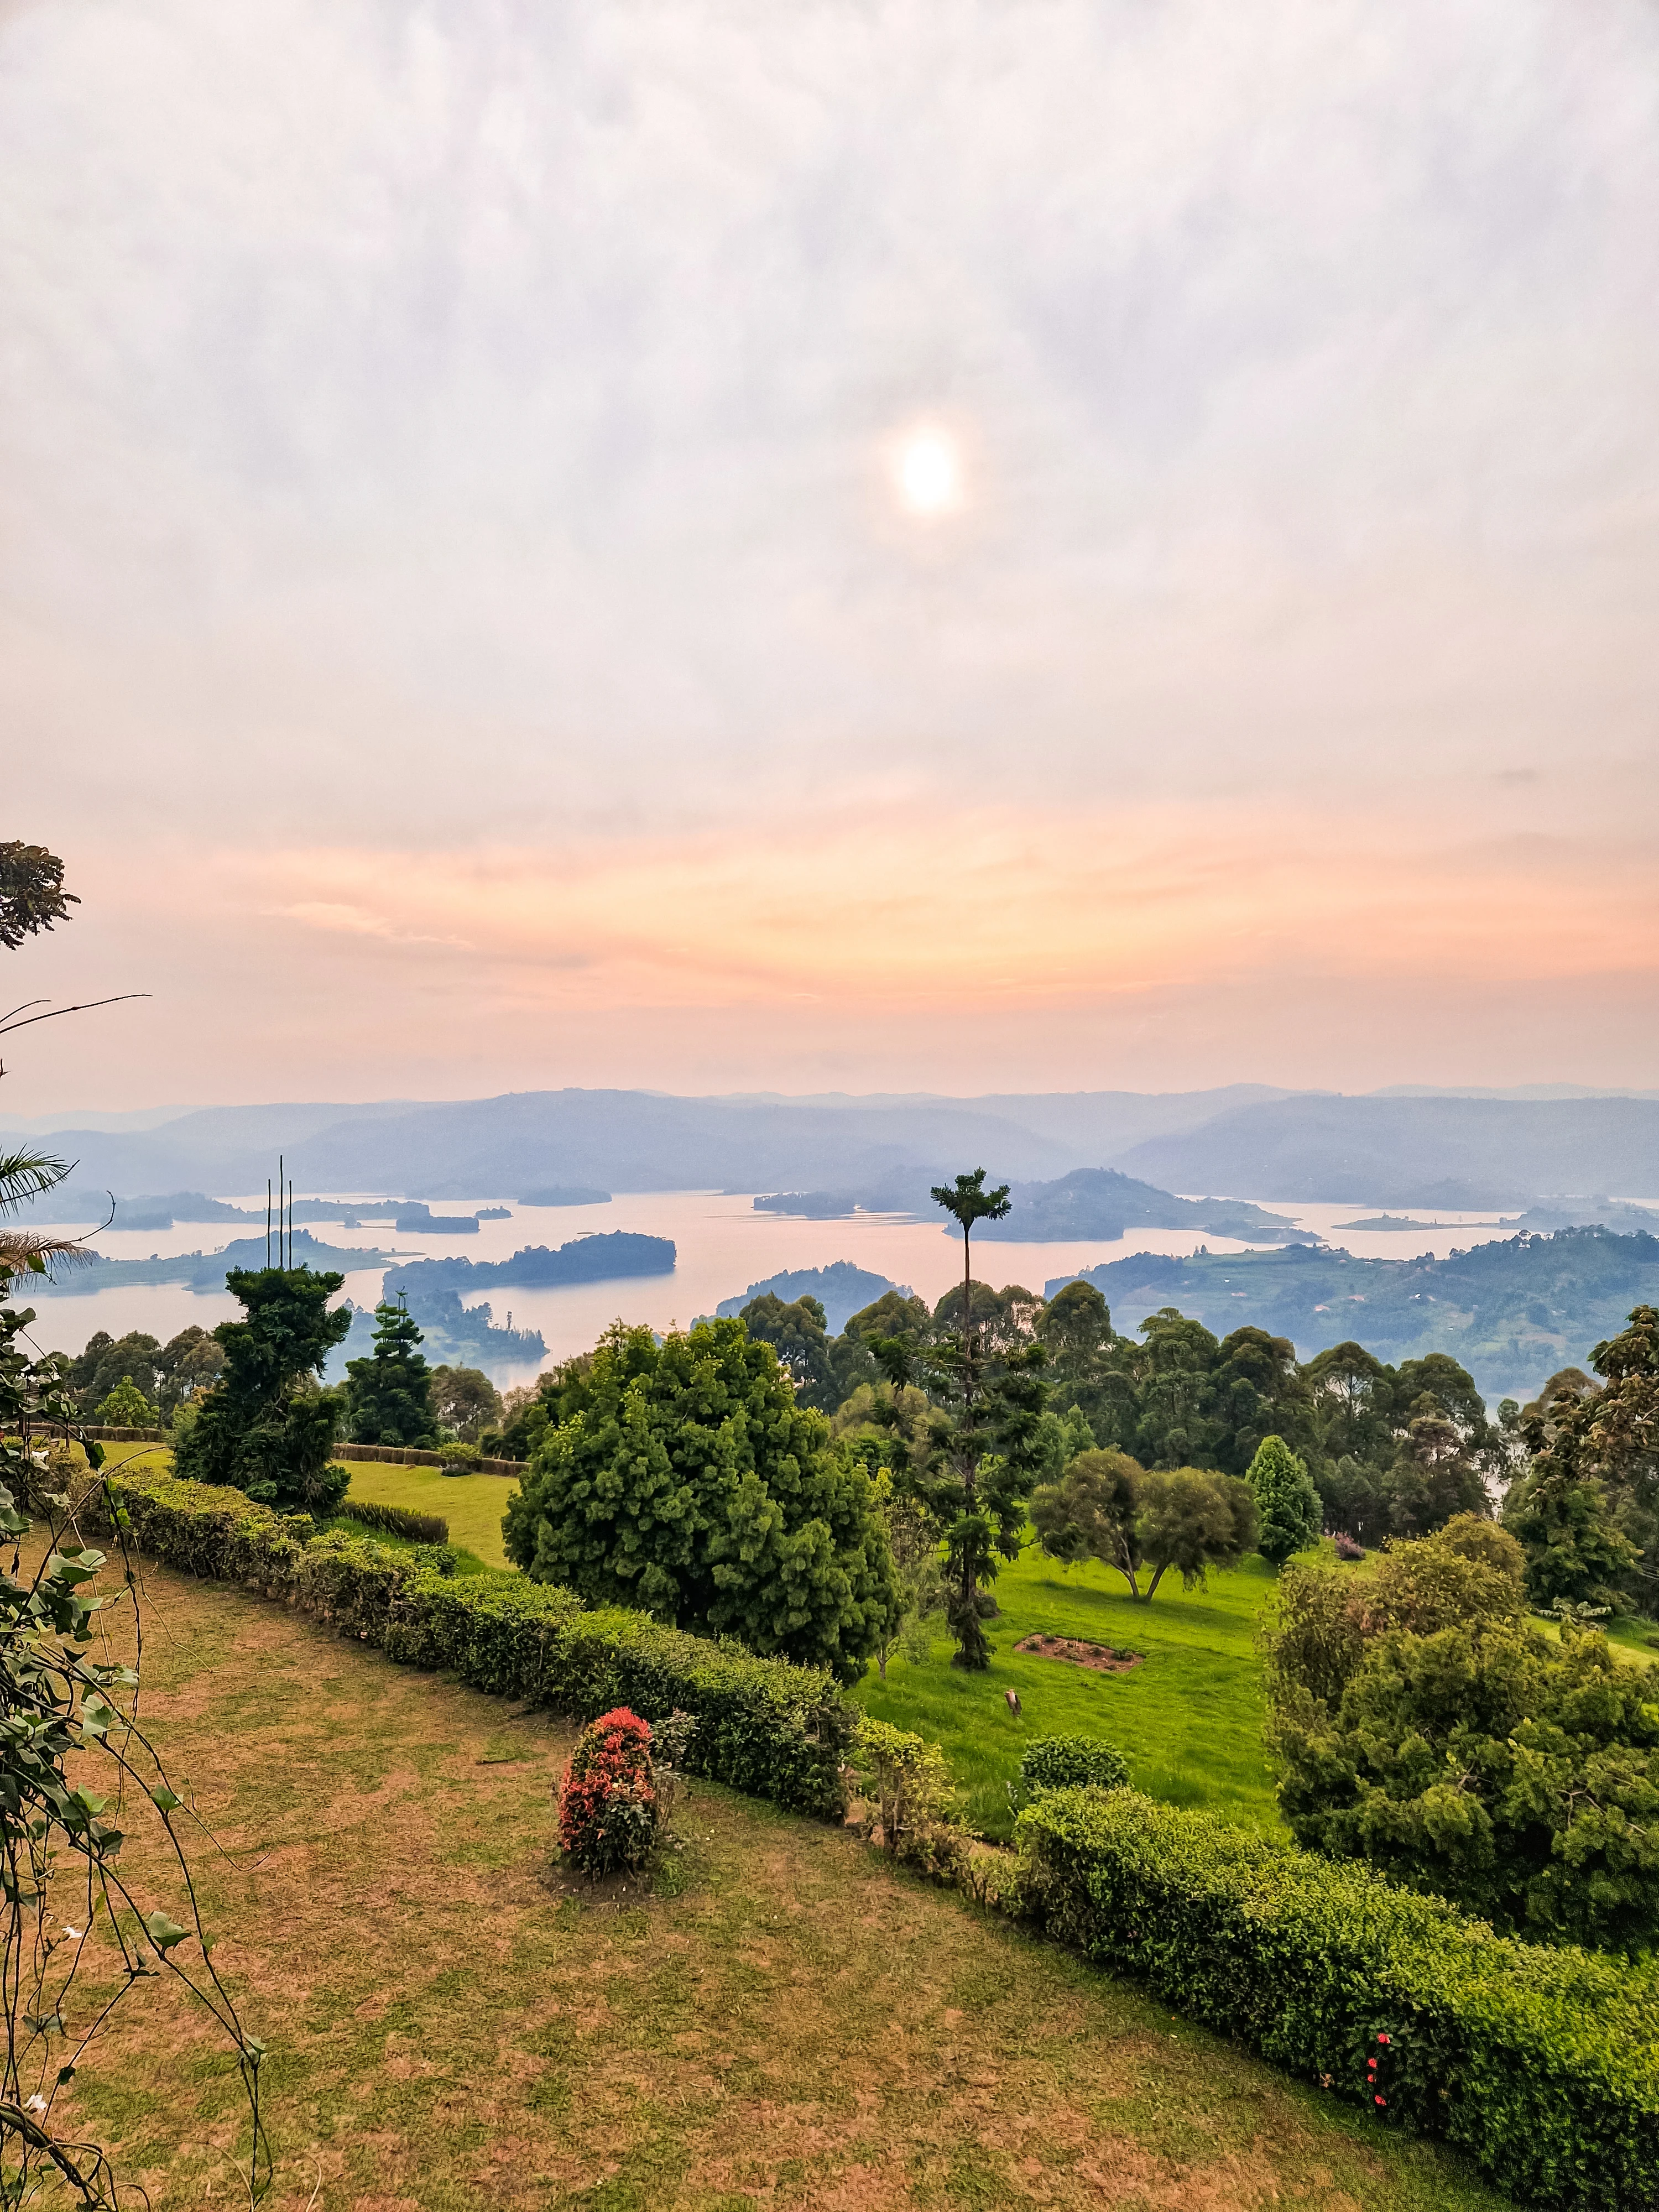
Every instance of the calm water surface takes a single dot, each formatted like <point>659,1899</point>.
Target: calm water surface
<point>723,1245</point>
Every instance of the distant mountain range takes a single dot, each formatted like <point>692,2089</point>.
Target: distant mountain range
<point>826,1154</point>
<point>1464,1153</point>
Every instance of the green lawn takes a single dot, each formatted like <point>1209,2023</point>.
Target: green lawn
<point>1188,1719</point>
<point>781,2022</point>
<point>471,1503</point>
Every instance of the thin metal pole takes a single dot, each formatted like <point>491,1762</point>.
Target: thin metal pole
<point>290,1221</point>
<point>267,1221</point>
<point>281,1262</point>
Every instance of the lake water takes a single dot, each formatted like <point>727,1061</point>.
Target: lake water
<point>723,1245</point>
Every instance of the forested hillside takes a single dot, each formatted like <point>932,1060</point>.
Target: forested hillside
<point>1513,1311</point>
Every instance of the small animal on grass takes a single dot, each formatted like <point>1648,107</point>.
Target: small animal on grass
<point>1014,1705</point>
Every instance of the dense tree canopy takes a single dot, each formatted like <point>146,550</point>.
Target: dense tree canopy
<point>464,1402</point>
<point>1419,1723</point>
<point>1106,1507</point>
<point>168,1374</point>
<point>1586,1510</point>
<point>796,1332</point>
<point>684,1478</point>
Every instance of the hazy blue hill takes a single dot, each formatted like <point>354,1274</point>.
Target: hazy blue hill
<point>206,1271</point>
<point>599,1259</point>
<point>1456,1152</point>
<point>1463,1153</point>
<point>602,1140</point>
<point>1101,1202</point>
<point>1513,1311</point>
<point>841,1289</point>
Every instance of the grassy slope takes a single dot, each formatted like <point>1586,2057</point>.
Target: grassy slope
<point>793,2026</point>
<point>471,1503</point>
<point>1188,1719</point>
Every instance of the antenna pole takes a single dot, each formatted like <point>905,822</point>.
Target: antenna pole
<point>267,1221</point>
<point>281,1262</point>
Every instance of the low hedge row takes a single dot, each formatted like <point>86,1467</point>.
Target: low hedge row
<point>763,1726</point>
<point>395,1519</point>
<point>1541,2064</point>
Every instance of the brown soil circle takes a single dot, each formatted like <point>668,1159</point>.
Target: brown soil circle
<point>1101,1656</point>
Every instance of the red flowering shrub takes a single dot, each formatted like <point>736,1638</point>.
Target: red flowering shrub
<point>610,1813</point>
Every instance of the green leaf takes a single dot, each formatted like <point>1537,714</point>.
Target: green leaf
<point>163,1932</point>
<point>95,1452</point>
<point>163,1799</point>
<point>65,2074</point>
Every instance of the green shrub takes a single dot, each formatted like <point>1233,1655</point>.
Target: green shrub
<point>397,1521</point>
<point>1542,2064</point>
<point>1069,1762</point>
<point>609,1815</point>
<point>458,1458</point>
<point>763,1726</point>
<point>126,1408</point>
<point>909,1788</point>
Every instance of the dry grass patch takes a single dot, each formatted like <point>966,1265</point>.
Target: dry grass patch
<point>780,2023</point>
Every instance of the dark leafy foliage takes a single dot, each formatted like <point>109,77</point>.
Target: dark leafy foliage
<point>683,1477</point>
<point>389,1394</point>
<point>1419,1723</point>
<point>1587,1509</point>
<point>32,894</point>
<point>168,1374</point>
<point>265,1427</point>
<point>1073,1762</point>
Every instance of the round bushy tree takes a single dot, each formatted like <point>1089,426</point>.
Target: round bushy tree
<point>1287,1507</point>
<point>390,1391</point>
<point>684,1478</point>
<point>126,1408</point>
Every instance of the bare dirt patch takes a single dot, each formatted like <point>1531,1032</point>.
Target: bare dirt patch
<point>1101,1656</point>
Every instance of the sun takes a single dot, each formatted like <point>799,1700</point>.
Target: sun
<point>927,474</point>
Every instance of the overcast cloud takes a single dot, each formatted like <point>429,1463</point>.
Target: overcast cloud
<point>458,625</point>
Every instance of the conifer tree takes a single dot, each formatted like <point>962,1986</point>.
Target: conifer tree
<point>265,1427</point>
<point>1287,1507</point>
<point>391,1391</point>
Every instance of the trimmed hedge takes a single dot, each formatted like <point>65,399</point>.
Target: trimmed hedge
<point>395,1519</point>
<point>763,1726</point>
<point>1541,2064</point>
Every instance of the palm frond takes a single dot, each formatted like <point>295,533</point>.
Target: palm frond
<point>31,1252</point>
<point>24,1176</point>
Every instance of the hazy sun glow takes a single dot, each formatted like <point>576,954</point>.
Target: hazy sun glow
<point>928,473</point>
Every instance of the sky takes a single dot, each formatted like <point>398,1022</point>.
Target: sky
<point>874,546</point>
